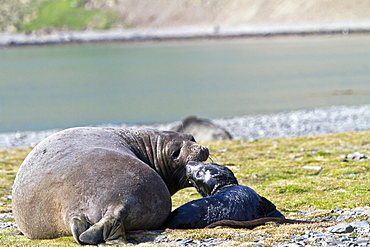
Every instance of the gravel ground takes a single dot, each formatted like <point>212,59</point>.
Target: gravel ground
<point>308,122</point>
<point>356,233</point>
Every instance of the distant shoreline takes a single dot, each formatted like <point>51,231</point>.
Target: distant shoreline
<point>297,123</point>
<point>186,33</point>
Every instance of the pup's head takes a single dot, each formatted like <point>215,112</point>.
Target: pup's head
<point>209,178</point>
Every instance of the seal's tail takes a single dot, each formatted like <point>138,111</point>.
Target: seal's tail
<point>250,224</point>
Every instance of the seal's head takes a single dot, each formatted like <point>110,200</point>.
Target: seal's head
<point>209,178</point>
<point>167,152</point>
<point>181,149</point>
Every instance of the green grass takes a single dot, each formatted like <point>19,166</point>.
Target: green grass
<point>9,163</point>
<point>70,15</point>
<point>272,167</point>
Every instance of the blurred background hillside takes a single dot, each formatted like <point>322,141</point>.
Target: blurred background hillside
<point>47,16</point>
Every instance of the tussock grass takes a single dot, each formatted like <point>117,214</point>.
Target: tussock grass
<point>272,167</point>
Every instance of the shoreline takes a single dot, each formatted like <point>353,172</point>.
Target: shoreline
<point>297,123</point>
<point>186,33</point>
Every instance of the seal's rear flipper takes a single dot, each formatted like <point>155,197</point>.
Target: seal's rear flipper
<point>108,230</point>
<point>268,209</point>
<point>78,226</point>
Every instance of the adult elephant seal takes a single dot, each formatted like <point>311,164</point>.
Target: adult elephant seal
<point>225,203</point>
<point>202,129</point>
<point>97,183</point>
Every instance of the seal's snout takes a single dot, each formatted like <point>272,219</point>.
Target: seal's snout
<point>200,153</point>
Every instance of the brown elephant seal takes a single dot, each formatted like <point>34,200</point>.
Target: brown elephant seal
<point>97,183</point>
<point>202,129</point>
<point>225,203</point>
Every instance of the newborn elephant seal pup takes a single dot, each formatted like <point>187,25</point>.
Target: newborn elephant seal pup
<point>97,183</point>
<point>225,203</point>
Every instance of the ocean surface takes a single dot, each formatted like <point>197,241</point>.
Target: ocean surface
<point>49,87</point>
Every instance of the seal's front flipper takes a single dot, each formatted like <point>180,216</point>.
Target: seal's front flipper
<point>108,230</point>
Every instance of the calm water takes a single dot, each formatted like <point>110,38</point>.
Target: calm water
<point>59,87</point>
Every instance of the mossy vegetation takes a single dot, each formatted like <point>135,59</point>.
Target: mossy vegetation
<point>70,15</point>
<point>272,167</point>
<point>45,16</point>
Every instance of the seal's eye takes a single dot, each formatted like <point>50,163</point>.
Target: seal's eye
<point>176,154</point>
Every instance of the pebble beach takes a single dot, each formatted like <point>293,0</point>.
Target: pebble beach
<point>298,123</point>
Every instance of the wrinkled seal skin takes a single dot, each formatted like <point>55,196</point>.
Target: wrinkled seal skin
<point>97,183</point>
<point>223,199</point>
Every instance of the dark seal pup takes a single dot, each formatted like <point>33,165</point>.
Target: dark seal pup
<point>225,203</point>
<point>97,183</point>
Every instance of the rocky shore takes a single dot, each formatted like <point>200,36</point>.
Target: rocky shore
<point>297,123</point>
<point>186,33</point>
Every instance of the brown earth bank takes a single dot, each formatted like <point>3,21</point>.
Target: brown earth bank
<point>173,13</point>
<point>169,13</point>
